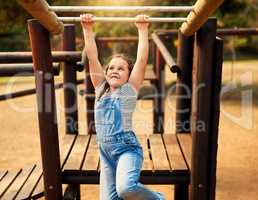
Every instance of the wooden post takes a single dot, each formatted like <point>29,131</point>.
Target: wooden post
<point>183,97</point>
<point>216,87</point>
<point>181,192</point>
<point>152,54</point>
<point>72,192</point>
<point>154,83</point>
<point>203,69</point>
<point>70,86</point>
<point>158,117</point>
<point>41,52</point>
<point>184,83</point>
<point>90,97</point>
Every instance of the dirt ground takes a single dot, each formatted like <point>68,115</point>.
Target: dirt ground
<point>237,172</point>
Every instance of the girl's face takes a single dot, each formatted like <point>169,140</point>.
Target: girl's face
<point>117,72</point>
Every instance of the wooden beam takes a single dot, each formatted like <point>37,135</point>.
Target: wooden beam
<point>184,83</point>
<point>40,10</point>
<point>199,15</point>
<point>22,69</point>
<point>201,113</point>
<point>165,53</point>
<point>90,102</point>
<point>41,51</point>
<point>220,32</point>
<point>23,93</point>
<point>70,86</point>
<point>26,56</point>
<point>217,77</point>
<point>159,97</point>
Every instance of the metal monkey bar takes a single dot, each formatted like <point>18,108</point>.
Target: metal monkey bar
<point>62,9</point>
<point>124,19</point>
<point>197,16</point>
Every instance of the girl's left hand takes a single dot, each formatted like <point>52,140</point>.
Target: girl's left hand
<point>142,21</point>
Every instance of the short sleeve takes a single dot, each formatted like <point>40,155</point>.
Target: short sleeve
<point>100,87</point>
<point>128,90</point>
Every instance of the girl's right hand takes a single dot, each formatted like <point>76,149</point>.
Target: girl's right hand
<point>142,21</point>
<point>86,21</point>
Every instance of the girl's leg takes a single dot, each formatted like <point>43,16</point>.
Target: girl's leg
<point>127,179</point>
<point>107,178</point>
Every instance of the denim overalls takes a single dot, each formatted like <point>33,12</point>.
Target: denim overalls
<point>121,155</point>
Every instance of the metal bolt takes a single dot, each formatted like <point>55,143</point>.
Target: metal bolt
<point>51,187</point>
<point>200,186</point>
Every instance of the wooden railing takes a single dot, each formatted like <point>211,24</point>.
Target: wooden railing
<point>165,53</point>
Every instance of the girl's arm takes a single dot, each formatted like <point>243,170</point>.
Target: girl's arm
<point>96,72</point>
<point>137,74</point>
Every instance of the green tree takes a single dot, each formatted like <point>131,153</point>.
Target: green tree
<point>13,25</point>
<point>239,13</point>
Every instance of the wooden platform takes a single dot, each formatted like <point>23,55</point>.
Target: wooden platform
<point>163,164</point>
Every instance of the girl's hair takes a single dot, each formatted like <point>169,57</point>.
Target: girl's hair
<point>130,68</point>
<point>124,57</point>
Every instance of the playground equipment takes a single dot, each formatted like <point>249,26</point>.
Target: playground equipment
<point>20,64</point>
<point>30,177</point>
<point>81,9</point>
<point>229,32</point>
<point>23,69</point>
<point>124,19</point>
<point>197,16</point>
<point>31,185</point>
<point>186,159</point>
<point>81,166</point>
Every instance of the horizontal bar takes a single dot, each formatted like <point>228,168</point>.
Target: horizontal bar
<point>123,39</point>
<point>147,177</point>
<point>220,32</point>
<point>124,19</point>
<point>22,69</point>
<point>165,53</point>
<point>27,92</point>
<point>237,31</point>
<point>117,39</point>
<point>121,8</point>
<point>14,95</point>
<point>26,57</point>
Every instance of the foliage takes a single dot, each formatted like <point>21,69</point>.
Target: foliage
<point>233,13</point>
<point>13,25</point>
<point>12,22</point>
<point>239,13</point>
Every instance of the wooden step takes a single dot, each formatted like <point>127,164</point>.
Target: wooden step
<point>163,158</point>
<point>164,163</point>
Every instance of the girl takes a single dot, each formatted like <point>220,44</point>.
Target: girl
<point>116,91</point>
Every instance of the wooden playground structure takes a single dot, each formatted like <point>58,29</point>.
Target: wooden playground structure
<point>186,160</point>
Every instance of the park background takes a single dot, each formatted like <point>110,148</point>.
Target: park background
<point>237,173</point>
